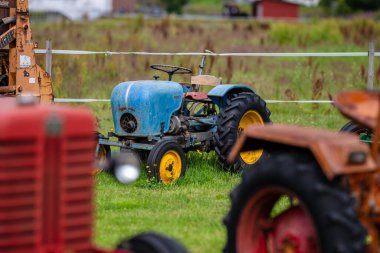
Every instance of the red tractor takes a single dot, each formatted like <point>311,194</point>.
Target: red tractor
<point>46,182</point>
<point>318,191</point>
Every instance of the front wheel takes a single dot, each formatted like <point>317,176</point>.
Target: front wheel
<point>288,205</point>
<point>151,243</point>
<point>102,155</point>
<point>242,110</point>
<point>166,162</point>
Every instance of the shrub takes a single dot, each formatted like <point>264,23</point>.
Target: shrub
<point>294,34</point>
<point>174,6</point>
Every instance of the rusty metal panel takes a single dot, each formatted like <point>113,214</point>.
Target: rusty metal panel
<point>12,3</point>
<point>338,154</point>
<point>22,67</point>
<point>22,6</point>
<point>31,78</point>
<point>5,6</point>
<point>331,149</point>
<point>4,12</point>
<point>360,106</point>
<point>333,157</point>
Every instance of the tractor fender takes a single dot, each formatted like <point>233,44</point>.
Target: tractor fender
<point>337,153</point>
<point>220,93</point>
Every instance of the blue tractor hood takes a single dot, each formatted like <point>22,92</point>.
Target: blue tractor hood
<point>144,108</point>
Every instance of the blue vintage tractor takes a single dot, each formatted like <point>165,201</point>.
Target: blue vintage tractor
<point>162,120</point>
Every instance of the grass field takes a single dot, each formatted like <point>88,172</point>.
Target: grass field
<point>213,7</point>
<point>192,210</point>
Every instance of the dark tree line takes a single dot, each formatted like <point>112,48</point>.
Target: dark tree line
<point>350,6</point>
<point>174,6</point>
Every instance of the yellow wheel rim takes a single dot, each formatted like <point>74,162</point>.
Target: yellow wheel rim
<point>249,118</point>
<point>101,158</point>
<point>170,167</point>
<point>102,154</point>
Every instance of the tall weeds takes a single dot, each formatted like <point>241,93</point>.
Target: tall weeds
<point>272,78</point>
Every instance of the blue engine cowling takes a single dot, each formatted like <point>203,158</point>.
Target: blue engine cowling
<point>144,108</point>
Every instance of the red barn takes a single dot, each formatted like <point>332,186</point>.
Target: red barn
<point>123,6</point>
<point>275,9</point>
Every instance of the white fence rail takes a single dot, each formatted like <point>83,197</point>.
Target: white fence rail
<point>109,53</point>
<point>371,54</point>
<point>92,100</point>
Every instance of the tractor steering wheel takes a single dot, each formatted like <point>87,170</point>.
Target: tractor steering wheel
<point>171,70</point>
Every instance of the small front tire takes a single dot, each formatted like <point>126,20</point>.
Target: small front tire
<point>102,155</point>
<point>166,162</point>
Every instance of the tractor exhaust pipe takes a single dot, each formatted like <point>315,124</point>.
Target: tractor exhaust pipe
<point>203,62</point>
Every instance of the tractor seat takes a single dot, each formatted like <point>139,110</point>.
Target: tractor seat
<point>198,96</point>
<point>206,80</point>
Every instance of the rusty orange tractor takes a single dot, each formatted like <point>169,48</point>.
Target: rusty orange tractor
<point>318,192</point>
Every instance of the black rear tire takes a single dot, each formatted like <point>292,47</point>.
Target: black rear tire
<point>228,126</point>
<point>175,166</point>
<point>331,209</point>
<point>351,127</point>
<point>151,243</point>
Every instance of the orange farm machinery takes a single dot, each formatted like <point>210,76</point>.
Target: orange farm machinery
<point>19,72</point>
<point>318,191</point>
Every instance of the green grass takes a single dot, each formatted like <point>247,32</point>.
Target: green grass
<point>192,210</point>
<point>206,1</point>
<point>204,7</point>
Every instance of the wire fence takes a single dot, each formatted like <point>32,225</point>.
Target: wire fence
<point>371,54</point>
<point>110,53</point>
<point>92,100</point>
